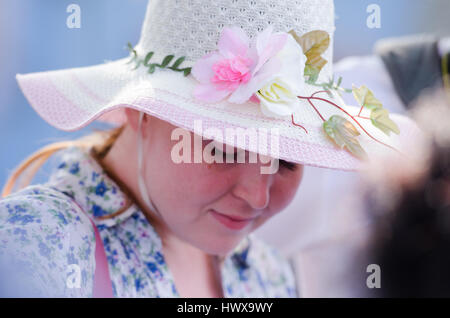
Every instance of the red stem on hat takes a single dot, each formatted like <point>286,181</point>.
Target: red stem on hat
<point>315,109</point>
<point>360,110</point>
<point>292,116</point>
<point>314,94</point>
<point>312,97</point>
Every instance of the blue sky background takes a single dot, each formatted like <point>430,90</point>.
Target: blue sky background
<point>34,37</point>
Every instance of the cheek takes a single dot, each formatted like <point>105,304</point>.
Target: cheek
<point>283,189</point>
<point>189,187</point>
<point>207,182</point>
<point>194,178</point>
<point>184,187</point>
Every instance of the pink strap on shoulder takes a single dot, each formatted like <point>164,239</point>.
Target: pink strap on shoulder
<point>102,280</point>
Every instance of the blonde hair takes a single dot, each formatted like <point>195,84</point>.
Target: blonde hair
<point>99,143</point>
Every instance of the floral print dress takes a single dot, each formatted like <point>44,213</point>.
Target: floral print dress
<point>45,232</point>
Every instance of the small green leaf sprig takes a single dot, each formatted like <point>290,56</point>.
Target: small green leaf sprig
<point>152,66</point>
<point>331,85</point>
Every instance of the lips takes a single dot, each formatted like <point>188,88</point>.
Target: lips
<point>231,222</point>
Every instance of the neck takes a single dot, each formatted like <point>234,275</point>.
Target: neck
<point>125,175</point>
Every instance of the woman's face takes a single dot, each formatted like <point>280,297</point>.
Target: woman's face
<point>196,200</point>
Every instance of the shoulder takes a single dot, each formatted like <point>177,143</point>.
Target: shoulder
<point>275,269</point>
<point>42,206</point>
<point>46,232</point>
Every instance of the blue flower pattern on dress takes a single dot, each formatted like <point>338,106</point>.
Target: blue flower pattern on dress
<point>98,211</point>
<point>46,227</point>
<point>101,188</point>
<point>75,168</point>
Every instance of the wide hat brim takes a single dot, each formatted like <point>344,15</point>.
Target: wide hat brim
<point>70,99</point>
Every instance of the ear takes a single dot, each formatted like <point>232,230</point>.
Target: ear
<point>132,116</point>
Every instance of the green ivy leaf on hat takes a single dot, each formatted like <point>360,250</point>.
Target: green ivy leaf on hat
<point>314,44</point>
<point>152,66</point>
<point>379,116</point>
<point>366,98</point>
<point>344,134</point>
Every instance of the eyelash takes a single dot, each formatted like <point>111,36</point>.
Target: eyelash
<point>288,165</point>
<point>283,163</point>
<point>224,154</point>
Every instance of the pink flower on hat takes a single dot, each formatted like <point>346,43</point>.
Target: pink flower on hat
<point>237,70</point>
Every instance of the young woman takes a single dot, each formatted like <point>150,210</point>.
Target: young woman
<point>120,216</point>
<point>192,201</point>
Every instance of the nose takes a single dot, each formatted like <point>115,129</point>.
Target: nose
<point>253,187</point>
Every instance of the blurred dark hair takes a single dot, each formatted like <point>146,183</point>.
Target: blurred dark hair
<point>411,238</point>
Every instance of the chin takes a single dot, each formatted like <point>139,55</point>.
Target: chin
<point>222,247</point>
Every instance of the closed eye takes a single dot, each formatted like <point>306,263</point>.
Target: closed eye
<point>288,165</point>
<point>225,155</point>
<point>285,164</point>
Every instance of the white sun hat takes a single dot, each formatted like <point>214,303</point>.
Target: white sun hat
<point>240,64</point>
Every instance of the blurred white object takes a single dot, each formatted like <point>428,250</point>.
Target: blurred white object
<point>444,46</point>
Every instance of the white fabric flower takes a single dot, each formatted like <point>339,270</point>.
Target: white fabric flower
<point>278,96</point>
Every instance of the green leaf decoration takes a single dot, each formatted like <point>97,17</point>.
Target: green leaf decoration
<point>152,66</point>
<point>167,60</point>
<point>312,73</point>
<point>380,118</point>
<point>344,134</point>
<point>147,58</point>
<point>331,85</point>
<point>365,97</point>
<point>130,48</point>
<point>314,44</point>
<point>178,62</point>
<point>187,71</point>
